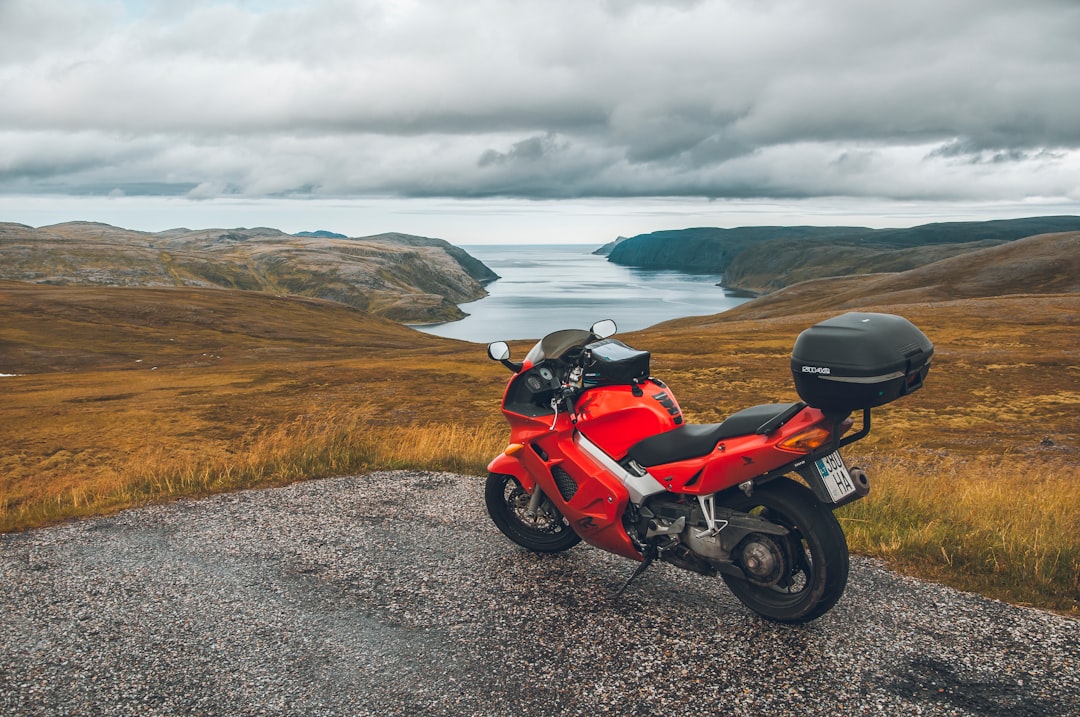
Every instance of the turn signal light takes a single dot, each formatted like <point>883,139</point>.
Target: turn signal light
<point>806,441</point>
<point>513,448</point>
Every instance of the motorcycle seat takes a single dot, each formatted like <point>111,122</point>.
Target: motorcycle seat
<point>693,440</point>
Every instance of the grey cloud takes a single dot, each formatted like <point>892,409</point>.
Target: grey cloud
<point>546,99</point>
<point>527,150</point>
<point>855,161</point>
<point>975,153</point>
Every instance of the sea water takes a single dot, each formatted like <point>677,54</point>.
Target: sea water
<point>547,288</point>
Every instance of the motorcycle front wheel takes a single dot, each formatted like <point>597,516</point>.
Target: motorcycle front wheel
<point>794,578</point>
<point>507,504</point>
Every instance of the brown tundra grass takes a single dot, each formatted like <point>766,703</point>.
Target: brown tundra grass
<point>976,479</point>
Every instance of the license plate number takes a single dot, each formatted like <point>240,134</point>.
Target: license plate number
<point>834,475</point>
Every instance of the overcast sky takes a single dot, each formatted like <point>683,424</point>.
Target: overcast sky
<point>473,120</point>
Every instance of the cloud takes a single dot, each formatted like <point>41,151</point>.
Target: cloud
<point>973,99</point>
<point>531,150</point>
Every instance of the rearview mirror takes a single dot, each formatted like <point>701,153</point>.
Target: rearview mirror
<point>498,351</point>
<point>603,329</point>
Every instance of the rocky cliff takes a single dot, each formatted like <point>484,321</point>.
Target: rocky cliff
<point>405,278</point>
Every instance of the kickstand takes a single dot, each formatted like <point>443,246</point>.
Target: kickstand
<point>650,555</point>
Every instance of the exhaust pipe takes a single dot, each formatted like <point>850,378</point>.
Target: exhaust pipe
<point>861,481</point>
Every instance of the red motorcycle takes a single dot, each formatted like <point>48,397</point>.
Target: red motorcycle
<point>599,451</point>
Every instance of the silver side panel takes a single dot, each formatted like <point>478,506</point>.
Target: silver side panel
<point>863,379</point>
<point>639,487</point>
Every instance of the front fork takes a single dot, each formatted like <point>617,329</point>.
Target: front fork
<point>534,501</point>
<point>507,463</point>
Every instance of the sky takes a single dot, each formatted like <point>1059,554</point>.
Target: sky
<point>485,121</point>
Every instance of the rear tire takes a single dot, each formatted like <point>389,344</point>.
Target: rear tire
<point>807,569</point>
<point>546,532</point>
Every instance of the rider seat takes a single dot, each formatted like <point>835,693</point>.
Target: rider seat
<point>693,440</point>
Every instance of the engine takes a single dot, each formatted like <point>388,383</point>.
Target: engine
<point>670,523</point>
<point>698,535</point>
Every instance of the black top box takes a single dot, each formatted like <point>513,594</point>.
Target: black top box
<point>859,360</point>
<point>611,361</point>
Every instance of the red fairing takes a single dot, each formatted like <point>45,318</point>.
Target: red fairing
<point>617,417</point>
<point>595,510</point>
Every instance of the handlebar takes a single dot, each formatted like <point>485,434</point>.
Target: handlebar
<point>566,396</point>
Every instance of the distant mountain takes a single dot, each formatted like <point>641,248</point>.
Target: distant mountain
<point>710,249</point>
<point>764,259</point>
<point>606,249</point>
<point>401,277</point>
<point>322,233</point>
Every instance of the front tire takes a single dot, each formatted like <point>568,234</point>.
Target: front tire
<point>507,503</point>
<point>794,578</point>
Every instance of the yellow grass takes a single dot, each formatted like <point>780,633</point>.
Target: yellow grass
<point>87,443</point>
<point>337,442</point>
<point>1005,527</point>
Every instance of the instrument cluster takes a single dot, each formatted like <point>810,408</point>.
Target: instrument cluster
<point>541,379</point>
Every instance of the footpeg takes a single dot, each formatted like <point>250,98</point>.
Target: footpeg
<point>665,527</point>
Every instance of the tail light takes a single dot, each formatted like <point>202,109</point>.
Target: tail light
<point>806,441</point>
<point>813,438</point>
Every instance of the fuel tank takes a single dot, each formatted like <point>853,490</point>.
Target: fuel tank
<point>617,417</point>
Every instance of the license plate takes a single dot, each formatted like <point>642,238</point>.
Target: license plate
<point>834,475</point>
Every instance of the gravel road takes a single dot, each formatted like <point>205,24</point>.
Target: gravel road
<point>393,594</point>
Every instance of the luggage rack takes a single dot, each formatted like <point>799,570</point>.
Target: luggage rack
<point>841,441</point>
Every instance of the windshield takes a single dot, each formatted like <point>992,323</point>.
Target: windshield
<point>554,345</point>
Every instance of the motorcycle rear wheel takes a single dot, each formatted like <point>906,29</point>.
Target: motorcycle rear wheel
<point>507,503</point>
<point>814,555</point>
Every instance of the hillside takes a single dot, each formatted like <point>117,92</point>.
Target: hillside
<point>401,277</point>
<point>764,259</point>
<point>48,328</point>
<point>1043,264</point>
<point>774,264</point>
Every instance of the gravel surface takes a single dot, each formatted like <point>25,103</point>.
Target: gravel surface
<point>393,594</point>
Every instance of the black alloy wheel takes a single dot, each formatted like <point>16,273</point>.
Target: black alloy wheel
<point>794,578</point>
<point>507,504</point>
